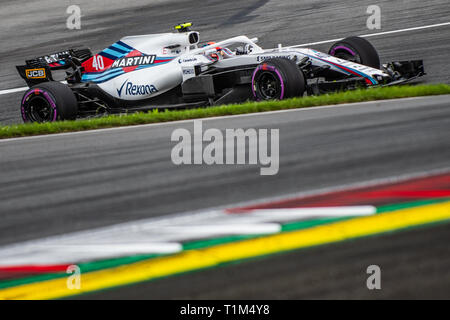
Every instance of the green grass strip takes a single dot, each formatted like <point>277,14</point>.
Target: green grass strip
<point>201,244</point>
<point>361,95</point>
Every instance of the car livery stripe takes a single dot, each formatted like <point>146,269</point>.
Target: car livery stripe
<point>95,75</point>
<point>103,78</point>
<point>120,48</point>
<point>114,53</point>
<point>117,51</point>
<point>120,51</point>
<point>124,45</point>
<point>369,79</point>
<point>106,55</point>
<point>57,64</point>
<point>162,60</point>
<point>111,74</point>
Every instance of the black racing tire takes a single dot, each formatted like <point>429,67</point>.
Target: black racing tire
<point>49,102</point>
<point>278,79</point>
<point>358,50</point>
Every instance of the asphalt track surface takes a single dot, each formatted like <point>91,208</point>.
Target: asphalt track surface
<point>65,183</point>
<point>407,261</point>
<point>58,184</point>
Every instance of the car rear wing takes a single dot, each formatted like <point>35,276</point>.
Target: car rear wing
<point>40,69</point>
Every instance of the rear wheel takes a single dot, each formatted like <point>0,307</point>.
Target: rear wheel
<point>48,102</point>
<point>277,79</point>
<point>356,49</point>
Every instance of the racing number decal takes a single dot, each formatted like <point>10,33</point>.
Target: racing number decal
<point>98,63</point>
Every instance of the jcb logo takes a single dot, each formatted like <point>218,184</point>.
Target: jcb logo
<point>35,73</point>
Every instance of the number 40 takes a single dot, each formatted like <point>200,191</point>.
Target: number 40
<point>98,63</point>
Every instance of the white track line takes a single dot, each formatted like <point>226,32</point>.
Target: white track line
<point>142,231</point>
<point>283,214</point>
<point>406,30</point>
<point>116,248</point>
<point>42,254</point>
<point>152,237</point>
<point>9,91</point>
<point>375,34</point>
<point>225,229</point>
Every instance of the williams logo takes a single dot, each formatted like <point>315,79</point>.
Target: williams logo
<point>133,61</point>
<point>130,89</point>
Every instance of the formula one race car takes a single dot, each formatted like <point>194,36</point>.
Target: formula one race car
<point>172,70</point>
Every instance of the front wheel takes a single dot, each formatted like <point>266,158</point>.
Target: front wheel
<point>356,49</point>
<point>48,102</point>
<point>277,79</point>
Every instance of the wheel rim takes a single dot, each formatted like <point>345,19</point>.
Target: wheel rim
<point>268,85</point>
<point>39,109</point>
<point>345,53</point>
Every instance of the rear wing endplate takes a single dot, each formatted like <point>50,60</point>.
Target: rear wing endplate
<point>40,69</point>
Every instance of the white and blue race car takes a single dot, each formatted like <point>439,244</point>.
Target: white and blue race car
<point>173,70</point>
